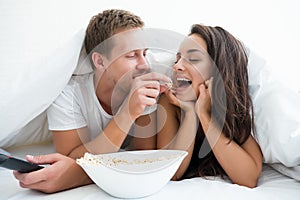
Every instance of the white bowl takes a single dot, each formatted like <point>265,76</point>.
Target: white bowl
<point>132,174</point>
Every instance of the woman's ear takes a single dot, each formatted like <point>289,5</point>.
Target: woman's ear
<point>98,60</point>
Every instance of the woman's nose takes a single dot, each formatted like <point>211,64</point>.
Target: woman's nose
<point>178,66</point>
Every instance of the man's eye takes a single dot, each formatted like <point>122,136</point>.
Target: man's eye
<point>145,53</point>
<point>131,55</point>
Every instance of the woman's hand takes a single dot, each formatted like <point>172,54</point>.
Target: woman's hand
<point>204,103</point>
<point>62,173</point>
<point>186,106</point>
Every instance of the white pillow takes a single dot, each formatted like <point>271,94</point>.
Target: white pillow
<point>26,93</point>
<point>36,131</point>
<point>277,114</point>
<point>293,172</point>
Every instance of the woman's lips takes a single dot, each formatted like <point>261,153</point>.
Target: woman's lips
<point>183,82</point>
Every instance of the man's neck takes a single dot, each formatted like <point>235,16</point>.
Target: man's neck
<point>104,92</point>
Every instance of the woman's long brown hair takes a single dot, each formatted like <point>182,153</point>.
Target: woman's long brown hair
<point>230,58</point>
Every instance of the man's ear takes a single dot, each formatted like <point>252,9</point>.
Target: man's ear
<point>98,60</point>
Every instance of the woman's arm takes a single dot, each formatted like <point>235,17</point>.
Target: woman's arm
<point>173,134</point>
<point>243,164</point>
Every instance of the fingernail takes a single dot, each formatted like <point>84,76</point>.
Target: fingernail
<point>30,157</point>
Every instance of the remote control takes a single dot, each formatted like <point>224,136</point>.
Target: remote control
<point>19,165</point>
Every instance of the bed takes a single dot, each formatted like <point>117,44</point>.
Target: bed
<point>271,185</point>
<point>43,67</point>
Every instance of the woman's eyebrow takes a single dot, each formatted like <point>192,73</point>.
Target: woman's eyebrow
<point>194,50</point>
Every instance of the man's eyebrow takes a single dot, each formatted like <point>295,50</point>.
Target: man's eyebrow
<point>144,49</point>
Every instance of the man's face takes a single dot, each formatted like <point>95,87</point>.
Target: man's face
<point>126,59</point>
<point>128,66</point>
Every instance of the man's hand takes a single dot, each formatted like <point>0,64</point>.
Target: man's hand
<point>144,92</point>
<point>62,173</point>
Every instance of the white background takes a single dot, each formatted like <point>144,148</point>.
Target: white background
<point>31,28</point>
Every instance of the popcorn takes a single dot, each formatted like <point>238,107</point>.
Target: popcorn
<point>88,159</point>
<point>93,160</point>
<point>169,85</point>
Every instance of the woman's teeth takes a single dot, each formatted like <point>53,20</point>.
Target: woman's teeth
<point>183,82</point>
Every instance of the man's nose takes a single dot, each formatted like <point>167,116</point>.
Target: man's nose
<point>142,63</point>
<point>143,60</point>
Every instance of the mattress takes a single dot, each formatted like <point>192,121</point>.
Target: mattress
<point>271,185</point>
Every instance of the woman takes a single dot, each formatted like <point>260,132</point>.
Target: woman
<point>209,111</point>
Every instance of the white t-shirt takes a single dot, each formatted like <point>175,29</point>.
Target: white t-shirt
<point>77,106</point>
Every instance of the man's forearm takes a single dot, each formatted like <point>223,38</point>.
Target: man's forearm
<point>109,140</point>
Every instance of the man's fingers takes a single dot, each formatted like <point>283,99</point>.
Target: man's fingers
<point>163,88</point>
<point>39,175</point>
<point>43,159</point>
<point>154,76</point>
<point>32,177</point>
<point>43,186</point>
<point>146,84</point>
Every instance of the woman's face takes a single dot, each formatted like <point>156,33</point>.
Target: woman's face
<point>192,68</point>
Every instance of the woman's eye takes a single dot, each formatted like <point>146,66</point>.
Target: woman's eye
<point>193,60</point>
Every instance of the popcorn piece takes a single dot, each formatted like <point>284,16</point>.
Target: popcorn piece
<point>169,85</point>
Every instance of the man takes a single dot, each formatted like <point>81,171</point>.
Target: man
<point>96,112</point>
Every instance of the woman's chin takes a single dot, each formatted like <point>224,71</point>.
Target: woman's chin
<point>186,94</point>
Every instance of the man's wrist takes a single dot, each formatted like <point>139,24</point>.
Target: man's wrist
<point>124,121</point>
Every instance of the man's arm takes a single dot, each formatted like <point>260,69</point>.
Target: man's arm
<point>144,92</point>
<point>145,132</point>
<point>74,143</point>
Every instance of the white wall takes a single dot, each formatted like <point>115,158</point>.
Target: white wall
<point>31,28</point>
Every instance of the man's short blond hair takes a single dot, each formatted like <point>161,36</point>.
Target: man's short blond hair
<point>104,25</point>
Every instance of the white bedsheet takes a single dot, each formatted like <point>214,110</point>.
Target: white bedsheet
<point>272,185</point>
